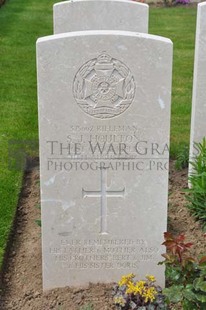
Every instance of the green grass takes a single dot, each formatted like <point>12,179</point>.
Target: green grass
<point>179,25</point>
<point>21,23</point>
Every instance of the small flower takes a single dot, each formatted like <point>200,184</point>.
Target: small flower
<point>150,278</point>
<point>130,288</point>
<point>126,279</point>
<point>139,287</point>
<point>149,294</point>
<point>135,289</point>
<point>119,300</point>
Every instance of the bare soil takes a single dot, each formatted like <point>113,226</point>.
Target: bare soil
<point>22,281</point>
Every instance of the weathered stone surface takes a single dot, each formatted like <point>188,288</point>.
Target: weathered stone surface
<point>104,120</point>
<point>198,119</point>
<point>81,15</point>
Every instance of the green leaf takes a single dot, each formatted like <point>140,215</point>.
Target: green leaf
<point>188,305</point>
<point>172,274</point>
<point>38,222</point>
<point>197,193</point>
<point>174,293</point>
<point>200,284</point>
<point>201,297</point>
<point>202,270</point>
<point>150,307</point>
<point>188,293</point>
<point>202,260</point>
<point>203,306</point>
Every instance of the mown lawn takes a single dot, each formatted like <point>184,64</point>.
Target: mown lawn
<point>21,23</point>
<point>178,24</point>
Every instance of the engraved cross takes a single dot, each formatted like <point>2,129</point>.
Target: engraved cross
<point>104,193</point>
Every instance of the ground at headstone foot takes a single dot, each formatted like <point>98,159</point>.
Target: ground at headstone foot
<point>22,282</point>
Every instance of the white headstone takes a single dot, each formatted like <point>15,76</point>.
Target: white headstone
<point>104,120</point>
<point>81,15</point>
<point>198,119</point>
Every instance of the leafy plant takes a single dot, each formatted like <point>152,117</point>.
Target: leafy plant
<point>186,275</point>
<point>38,221</point>
<point>142,295</point>
<point>197,193</point>
<point>87,307</point>
<point>38,206</point>
<point>182,158</point>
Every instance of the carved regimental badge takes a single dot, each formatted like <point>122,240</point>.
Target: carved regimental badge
<point>104,87</point>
